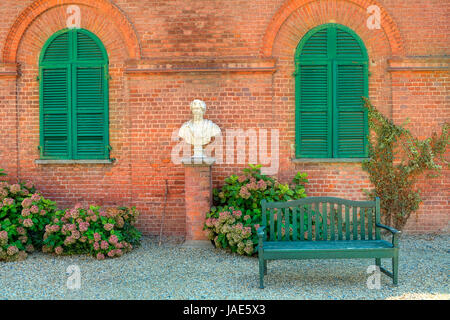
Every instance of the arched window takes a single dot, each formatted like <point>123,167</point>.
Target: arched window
<point>73,77</point>
<point>330,79</point>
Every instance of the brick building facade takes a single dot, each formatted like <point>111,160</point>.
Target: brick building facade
<point>237,56</point>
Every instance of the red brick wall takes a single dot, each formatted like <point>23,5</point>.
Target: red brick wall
<point>237,56</point>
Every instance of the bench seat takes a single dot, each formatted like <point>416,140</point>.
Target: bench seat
<point>332,249</point>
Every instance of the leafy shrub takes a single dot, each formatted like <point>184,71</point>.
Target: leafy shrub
<point>92,230</point>
<point>30,222</point>
<point>234,220</point>
<point>396,160</point>
<point>23,216</point>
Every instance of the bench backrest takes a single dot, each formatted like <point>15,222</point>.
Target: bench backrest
<point>321,218</point>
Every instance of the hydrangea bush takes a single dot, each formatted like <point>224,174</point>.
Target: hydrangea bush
<point>23,216</point>
<point>29,222</point>
<point>92,230</point>
<point>235,217</point>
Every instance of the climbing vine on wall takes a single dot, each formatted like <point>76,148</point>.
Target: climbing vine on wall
<point>396,160</point>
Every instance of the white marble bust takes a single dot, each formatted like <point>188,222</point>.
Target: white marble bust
<point>198,131</point>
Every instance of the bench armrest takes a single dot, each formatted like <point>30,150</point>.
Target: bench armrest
<point>261,235</point>
<point>394,232</point>
<point>261,231</point>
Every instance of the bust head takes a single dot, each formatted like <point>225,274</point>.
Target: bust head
<point>198,108</point>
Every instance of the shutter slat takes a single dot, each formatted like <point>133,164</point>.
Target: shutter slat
<point>58,49</point>
<point>87,48</point>
<point>316,45</point>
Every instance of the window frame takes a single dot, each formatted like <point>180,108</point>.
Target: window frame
<point>332,61</point>
<point>71,66</point>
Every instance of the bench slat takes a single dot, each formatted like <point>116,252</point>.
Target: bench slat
<point>309,223</point>
<point>318,226</point>
<point>362,212</point>
<point>294,223</point>
<point>355,223</point>
<point>347,223</point>
<point>369,223</point>
<point>272,224</point>
<point>332,222</point>
<point>339,222</point>
<point>279,223</point>
<point>377,218</point>
<point>302,223</point>
<point>324,221</point>
<point>286,225</point>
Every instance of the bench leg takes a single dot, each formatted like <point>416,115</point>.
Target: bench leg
<point>261,272</point>
<point>378,262</point>
<point>395,269</point>
<point>265,267</point>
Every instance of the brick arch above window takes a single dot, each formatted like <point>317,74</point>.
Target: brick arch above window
<point>316,14</point>
<point>37,8</point>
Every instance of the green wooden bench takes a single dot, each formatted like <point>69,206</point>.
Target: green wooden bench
<point>324,228</point>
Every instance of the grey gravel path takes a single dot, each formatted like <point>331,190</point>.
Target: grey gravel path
<point>172,272</point>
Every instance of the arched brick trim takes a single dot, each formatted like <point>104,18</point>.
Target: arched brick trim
<point>38,7</point>
<point>388,25</point>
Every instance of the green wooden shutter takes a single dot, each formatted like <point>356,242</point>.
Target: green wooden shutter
<point>90,111</point>
<point>314,121</point>
<point>90,114</point>
<point>350,134</point>
<point>331,78</point>
<point>74,97</point>
<point>55,113</point>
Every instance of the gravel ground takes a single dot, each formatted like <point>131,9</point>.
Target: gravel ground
<point>173,272</point>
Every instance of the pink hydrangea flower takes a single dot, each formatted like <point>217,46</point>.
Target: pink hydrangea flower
<point>113,239</point>
<point>25,212</point>
<point>3,235</point>
<point>35,197</point>
<point>27,202</point>
<point>244,193</point>
<point>262,185</point>
<point>74,213</point>
<point>97,236</point>
<point>108,226</point>
<point>21,231</point>
<point>76,234</point>
<point>237,213</point>
<point>29,185</point>
<point>15,188</point>
<point>104,245</point>
<point>100,256</point>
<point>12,250</point>
<point>8,201</point>
<point>96,246</point>
<point>28,223</point>
<point>34,209</point>
<point>83,226</point>
<point>59,250</point>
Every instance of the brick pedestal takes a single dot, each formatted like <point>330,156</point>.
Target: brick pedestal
<point>198,198</point>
